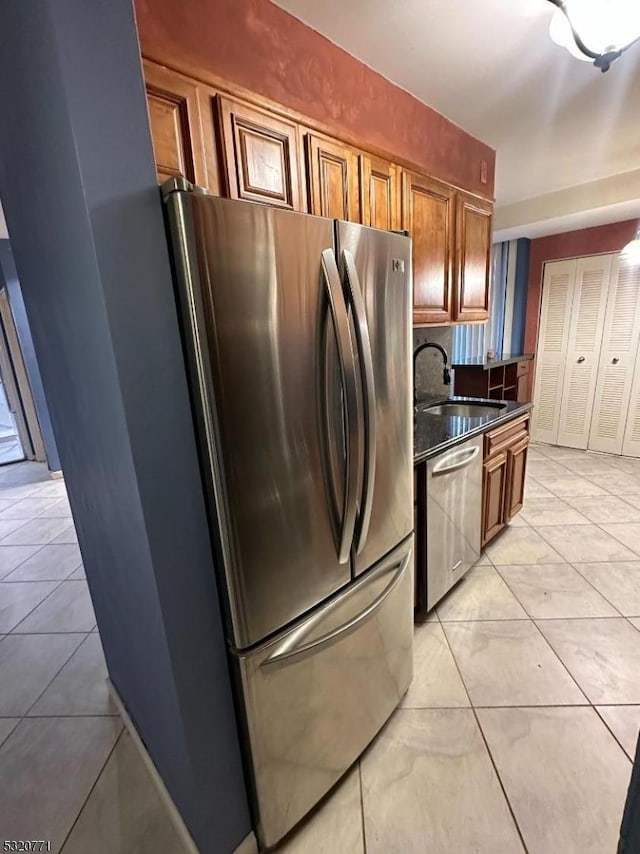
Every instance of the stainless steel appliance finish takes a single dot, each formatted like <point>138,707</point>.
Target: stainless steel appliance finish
<point>454,506</point>
<point>317,694</point>
<point>375,266</point>
<point>297,333</point>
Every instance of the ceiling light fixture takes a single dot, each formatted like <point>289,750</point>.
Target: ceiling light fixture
<point>597,31</point>
<point>631,252</point>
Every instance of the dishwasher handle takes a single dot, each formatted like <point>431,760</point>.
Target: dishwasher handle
<point>455,461</point>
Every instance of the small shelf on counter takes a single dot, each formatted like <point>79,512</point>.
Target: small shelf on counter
<point>498,379</point>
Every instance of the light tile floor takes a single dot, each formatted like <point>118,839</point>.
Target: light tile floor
<point>516,734</point>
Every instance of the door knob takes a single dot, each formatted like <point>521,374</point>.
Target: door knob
<point>615,360</point>
<point>581,359</point>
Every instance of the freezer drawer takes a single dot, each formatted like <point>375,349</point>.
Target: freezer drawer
<point>316,696</point>
<point>454,510</point>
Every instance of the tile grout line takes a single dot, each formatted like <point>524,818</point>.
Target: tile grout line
<point>42,601</point>
<point>482,736</point>
<point>92,787</point>
<point>615,737</point>
<point>58,672</point>
<point>606,599</point>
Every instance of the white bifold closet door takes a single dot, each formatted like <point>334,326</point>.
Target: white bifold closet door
<point>631,439</point>
<point>557,297</point>
<point>583,349</point>
<point>611,426</point>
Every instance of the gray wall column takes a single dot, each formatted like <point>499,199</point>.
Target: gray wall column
<point>77,184</point>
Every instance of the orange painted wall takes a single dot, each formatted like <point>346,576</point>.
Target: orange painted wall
<point>261,47</point>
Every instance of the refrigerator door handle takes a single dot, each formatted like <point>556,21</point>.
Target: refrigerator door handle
<point>294,648</point>
<point>346,360</point>
<point>368,383</point>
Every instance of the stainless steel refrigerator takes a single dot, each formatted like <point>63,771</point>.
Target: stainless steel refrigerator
<point>297,332</point>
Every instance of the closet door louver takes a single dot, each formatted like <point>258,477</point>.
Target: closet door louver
<point>557,296</point>
<point>583,350</point>
<point>631,440</point>
<point>617,358</point>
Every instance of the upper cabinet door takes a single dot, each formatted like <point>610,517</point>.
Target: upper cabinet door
<point>333,179</point>
<point>473,258</point>
<point>428,214</point>
<point>176,129</point>
<point>379,193</point>
<point>259,155</point>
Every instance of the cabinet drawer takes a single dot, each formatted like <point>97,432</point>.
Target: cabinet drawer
<point>496,440</point>
<point>523,368</point>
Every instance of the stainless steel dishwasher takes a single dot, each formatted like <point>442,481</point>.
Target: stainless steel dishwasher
<point>454,508</point>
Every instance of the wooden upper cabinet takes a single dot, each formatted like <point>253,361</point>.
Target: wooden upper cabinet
<point>428,211</point>
<point>259,152</point>
<point>379,193</point>
<point>332,170</point>
<point>176,128</point>
<point>473,258</point>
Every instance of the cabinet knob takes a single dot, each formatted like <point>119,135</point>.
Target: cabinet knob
<point>615,360</point>
<point>580,359</point>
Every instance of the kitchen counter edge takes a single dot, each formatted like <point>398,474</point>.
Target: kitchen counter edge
<point>428,453</point>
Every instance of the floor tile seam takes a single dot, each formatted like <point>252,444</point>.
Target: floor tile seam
<point>19,623</point>
<point>633,551</point>
<point>575,567</point>
<point>91,789</point>
<point>569,673</point>
<point>500,781</point>
<point>39,549</point>
<point>615,737</point>
<point>362,819</point>
<point>551,546</point>
<point>14,633</point>
<point>19,528</point>
<point>637,628</point>
<point>456,665</point>
<point>596,525</point>
<point>53,678</point>
<point>6,580</point>
<point>42,601</point>
<point>67,715</point>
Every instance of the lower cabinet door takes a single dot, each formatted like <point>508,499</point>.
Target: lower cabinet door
<point>516,470</point>
<point>494,494</point>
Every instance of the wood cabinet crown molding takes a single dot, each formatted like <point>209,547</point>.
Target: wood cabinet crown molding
<point>196,74</point>
<point>248,149</point>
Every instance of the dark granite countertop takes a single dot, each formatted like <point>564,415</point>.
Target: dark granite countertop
<point>433,434</point>
<point>486,364</point>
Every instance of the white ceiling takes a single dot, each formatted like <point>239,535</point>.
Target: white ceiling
<point>491,67</point>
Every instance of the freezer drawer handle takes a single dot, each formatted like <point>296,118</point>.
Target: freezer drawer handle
<point>346,359</point>
<point>293,649</point>
<point>462,459</point>
<point>368,383</point>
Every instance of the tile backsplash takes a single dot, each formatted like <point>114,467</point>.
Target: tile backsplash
<point>429,367</point>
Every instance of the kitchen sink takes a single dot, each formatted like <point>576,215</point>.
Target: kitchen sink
<point>465,410</point>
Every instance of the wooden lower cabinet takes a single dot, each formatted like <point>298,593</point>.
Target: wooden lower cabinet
<point>494,490</point>
<point>420,538</point>
<point>505,468</point>
<point>516,471</point>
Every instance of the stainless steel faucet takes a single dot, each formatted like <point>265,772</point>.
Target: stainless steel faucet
<point>446,373</point>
